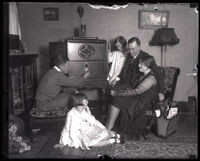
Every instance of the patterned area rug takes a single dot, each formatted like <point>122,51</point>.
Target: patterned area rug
<point>149,150</point>
<point>174,147</point>
<point>174,138</point>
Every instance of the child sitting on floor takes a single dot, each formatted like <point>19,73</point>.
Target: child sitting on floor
<point>82,130</point>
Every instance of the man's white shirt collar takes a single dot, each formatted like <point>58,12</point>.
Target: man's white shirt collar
<point>135,56</point>
<point>55,67</point>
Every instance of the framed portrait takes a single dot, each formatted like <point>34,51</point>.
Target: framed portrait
<point>153,19</point>
<point>51,14</point>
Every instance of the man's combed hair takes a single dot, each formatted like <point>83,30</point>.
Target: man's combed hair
<point>59,60</point>
<point>148,61</point>
<point>131,40</point>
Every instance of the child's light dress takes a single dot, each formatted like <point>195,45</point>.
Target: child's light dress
<point>82,130</point>
<point>117,59</point>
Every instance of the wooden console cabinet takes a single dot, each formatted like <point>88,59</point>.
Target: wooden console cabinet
<point>84,55</point>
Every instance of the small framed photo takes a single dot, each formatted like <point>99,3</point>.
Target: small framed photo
<point>51,14</point>
<point>153,19</point>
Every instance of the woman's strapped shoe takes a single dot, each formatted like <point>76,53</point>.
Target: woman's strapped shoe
<point>120,140</point>
<point>117,136</point>
<point>117,141</point>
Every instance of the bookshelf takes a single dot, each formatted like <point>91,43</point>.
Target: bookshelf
<point>16,75</point>
<point>22,85</point>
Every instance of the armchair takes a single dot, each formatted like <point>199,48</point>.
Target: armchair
<point>170,76</point>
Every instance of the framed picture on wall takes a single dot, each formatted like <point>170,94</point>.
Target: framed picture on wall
<point>51,14</point>
<point>153,19</point>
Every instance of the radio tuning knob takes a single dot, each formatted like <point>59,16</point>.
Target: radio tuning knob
<point>86,67</point>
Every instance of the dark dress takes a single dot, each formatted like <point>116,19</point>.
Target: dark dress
<point>130,73</point>
<point>133,108</point>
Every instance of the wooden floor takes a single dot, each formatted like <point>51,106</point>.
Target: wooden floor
<point>188,124</point>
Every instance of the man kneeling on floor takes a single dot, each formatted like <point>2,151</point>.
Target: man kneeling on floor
<point>50,94</point>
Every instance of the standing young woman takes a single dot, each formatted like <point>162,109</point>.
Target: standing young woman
<point>116,58</point>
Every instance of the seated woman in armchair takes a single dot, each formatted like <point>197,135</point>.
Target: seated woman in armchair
<point>133,102</point>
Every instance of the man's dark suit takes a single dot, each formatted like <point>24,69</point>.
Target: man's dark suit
<point>130,73</point>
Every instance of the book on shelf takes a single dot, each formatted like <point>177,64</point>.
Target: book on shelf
<point>29,75</point>
<point>18,102</point>
<point>17,88</point>
<point>22,85</point>
<point>29,81</point>
<point>16,77</point>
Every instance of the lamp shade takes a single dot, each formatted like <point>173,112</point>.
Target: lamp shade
<point>164,36</point>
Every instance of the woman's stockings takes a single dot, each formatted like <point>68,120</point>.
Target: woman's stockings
<point>114,112</point>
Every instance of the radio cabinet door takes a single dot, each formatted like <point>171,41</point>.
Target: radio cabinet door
<point>81,53</point>
<point>96,69</point>
<point>86,51</point>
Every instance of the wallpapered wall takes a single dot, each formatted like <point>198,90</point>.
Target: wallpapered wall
<point>107,24</point>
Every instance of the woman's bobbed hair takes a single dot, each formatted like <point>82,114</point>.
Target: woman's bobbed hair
<point>148,61</point>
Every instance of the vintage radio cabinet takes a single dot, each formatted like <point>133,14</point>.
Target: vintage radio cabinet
<point>84,55</point>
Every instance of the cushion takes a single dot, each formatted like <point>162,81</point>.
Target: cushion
<point>170,76</point>
<point>56,113</point>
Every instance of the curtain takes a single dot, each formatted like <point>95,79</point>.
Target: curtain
<point>14,26</point>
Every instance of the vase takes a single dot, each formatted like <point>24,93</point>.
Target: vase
<point>83,31</point>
